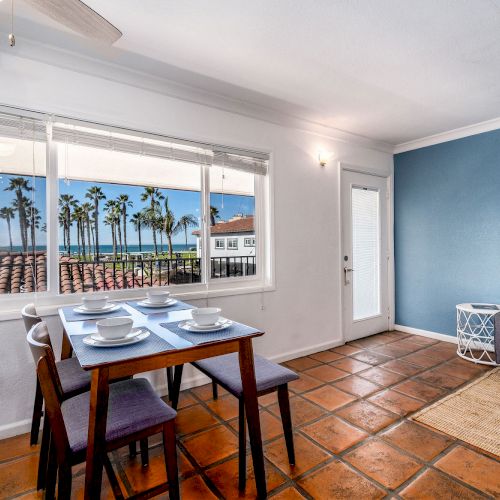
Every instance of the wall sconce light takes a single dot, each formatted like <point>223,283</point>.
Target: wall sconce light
<point>323,157</point>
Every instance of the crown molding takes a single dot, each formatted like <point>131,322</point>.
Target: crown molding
<point>451,135</point>
<point>209,92</point>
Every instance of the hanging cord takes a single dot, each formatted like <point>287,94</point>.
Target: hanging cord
<point>12,38</point>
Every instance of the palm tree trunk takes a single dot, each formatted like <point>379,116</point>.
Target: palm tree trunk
<point>119,226</point>
<point>154,241</point>
<point>87,220</point>
<point>22,219</point>
<point>78,236</point>
<point>82,229</point>
<point>139,231</point>
<point>125,228</point>
<point>113,235</point>
<point>68,223</point>
<point>186,235</point>
<point>96,223</point>
<point>161,241</point>
<point>169,236</point>
<point>10,234</point>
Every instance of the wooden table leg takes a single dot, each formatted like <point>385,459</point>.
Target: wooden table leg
<point>66,349</point>
<point>98,413</point>
<point>247,370</point>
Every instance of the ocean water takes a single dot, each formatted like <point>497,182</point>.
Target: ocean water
<point>176,247</point>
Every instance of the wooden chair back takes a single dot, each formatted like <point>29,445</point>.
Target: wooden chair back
<point>39,341</point>
<point>52,394</point>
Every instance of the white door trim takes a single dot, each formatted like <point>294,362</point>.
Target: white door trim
<point>346,167</point>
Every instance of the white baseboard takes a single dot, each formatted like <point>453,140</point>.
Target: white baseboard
<point>426,333</point>
<point>24,426</point>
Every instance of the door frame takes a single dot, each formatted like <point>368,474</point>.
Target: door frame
<point>346,167</point>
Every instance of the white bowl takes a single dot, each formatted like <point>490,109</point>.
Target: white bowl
<point>205,316</point>
<point>157,296</point>
<point>95,301</point>
<point>114,328</point>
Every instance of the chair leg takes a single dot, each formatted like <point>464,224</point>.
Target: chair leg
<point>50,484</point>
<point>286,420</point>
<point>242,446</point>
<point>144,452</point>
<point>170,382</point>
<point>170,451</point>
<point>64,483</point>
<point>37,414</point>
<point>115,485</point>
<point>176,386</point>
<point>132,449</point>
<point>44,456</point>
<point>215,389</point>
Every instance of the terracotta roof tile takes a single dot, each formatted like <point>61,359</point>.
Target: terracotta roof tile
<point>243,225</point>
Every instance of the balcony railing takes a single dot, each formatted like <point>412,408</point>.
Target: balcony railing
<point>78,276</point>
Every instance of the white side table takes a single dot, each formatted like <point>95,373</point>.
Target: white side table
<point>475,332</point>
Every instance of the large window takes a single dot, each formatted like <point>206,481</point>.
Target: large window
<point>114,210</point>
<point>23,224</point>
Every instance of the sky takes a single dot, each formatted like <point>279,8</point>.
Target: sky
<point>181,203</point>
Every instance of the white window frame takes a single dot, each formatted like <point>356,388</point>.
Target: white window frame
<point>251,244</point>
<point>48,301</point>
<point>229,244</point>
<point>220,240</point>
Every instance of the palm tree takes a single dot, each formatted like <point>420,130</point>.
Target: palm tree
<point>169,225</point>
<point>66,203</point>
<point>62,223</point>
<point>124,203</point>
<point>33,223</point>
<point>137,221</point>
<point>113,219</point>
<point>19,185</point>
<point>183,223</point>
<point>96,195</point>
<point>86,209</point>
<point>8,213</point>
<point>110,220</point>
<point>154,196</point>
<point>214,215</point>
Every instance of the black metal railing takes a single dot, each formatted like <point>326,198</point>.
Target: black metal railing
<point>78,276</point>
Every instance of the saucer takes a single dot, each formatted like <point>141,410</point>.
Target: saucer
<point>106,309</point>
<point>191,326</point>
<point>141,335</point>
<point>167,303</point>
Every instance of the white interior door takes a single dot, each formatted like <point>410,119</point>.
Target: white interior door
<point>365,254</point>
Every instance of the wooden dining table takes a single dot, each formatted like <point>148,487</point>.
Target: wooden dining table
<point>169,350</point>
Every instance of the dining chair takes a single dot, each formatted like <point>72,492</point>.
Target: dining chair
<point>270,377</point>
<point>74,380</point>
<point>135,412</point>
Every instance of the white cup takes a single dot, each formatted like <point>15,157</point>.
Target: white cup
<point>114,328</point>
<point>205,316</point>
<point>95,301</point>
<point>157,296</point>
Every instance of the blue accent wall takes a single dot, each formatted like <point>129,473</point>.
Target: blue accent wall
<point>447,230</point>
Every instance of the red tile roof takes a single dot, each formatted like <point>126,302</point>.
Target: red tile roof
<point>243,225</point>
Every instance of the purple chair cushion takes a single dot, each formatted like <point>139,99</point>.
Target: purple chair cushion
<point>226,370</point>
<point>133,406</point>
<point>74,379</point>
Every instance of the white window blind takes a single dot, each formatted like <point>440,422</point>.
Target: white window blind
<point>366,253</point>
<point>176,150</point>
<point>18,127</point>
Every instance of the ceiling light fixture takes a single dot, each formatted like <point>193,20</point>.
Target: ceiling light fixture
<point>12,38</point>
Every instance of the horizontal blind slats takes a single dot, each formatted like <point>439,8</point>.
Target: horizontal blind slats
<point>17,127</point>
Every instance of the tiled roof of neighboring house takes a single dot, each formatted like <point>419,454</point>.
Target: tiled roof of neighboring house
<point>243,225</point>
<point>17,272</point>
<point>23,272</point>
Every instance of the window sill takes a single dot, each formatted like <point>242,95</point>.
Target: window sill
<point>51,304</point>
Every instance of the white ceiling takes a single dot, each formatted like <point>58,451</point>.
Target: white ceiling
<point>390,70</point>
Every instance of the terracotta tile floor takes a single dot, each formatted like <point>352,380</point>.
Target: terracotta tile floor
<point>353,439</point>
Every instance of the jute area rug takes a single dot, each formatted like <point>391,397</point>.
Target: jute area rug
<point>471,414</point>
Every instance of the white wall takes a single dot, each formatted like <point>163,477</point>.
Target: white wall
<point>305,202</point>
